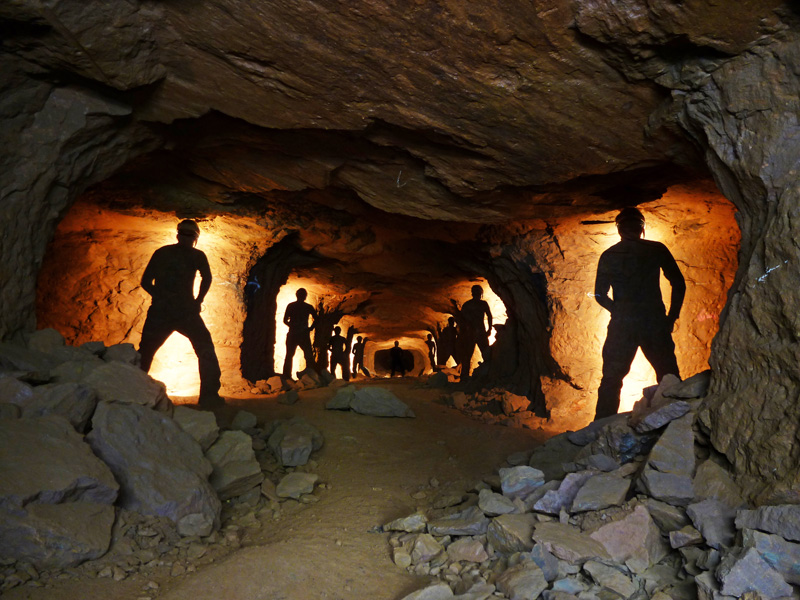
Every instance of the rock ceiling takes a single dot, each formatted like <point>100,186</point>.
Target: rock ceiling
<point>439,110</point>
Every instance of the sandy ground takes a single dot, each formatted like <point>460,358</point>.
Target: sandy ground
<point>371,468</point>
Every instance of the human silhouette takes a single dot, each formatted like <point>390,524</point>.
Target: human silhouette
<point>297,317</point>
<point>169,279</point>
<point>396,356</point>
<point>474,331</point>
<point>448,339</point>
<point>632,270</point>
<point>358,356</point>
<point>431,351</point>
<point>340,355</point>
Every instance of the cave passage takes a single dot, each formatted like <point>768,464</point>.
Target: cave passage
<point>389,278</point>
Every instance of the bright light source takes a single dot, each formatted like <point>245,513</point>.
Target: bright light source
<point>175,363</point>
<point>641,374</point>
<point>287,295</point>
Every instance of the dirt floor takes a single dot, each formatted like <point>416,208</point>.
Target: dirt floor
<point>370,468</point>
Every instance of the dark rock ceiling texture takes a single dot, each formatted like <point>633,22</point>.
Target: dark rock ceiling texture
<point>467,112</point>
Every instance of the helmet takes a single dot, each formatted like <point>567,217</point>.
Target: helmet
<point>630,215</point>
<point>189,227</point>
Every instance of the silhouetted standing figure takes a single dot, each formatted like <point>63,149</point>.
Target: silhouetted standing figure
<point>340,354</point>
<point>431,351</point>
<point>169,279</point>
<point>632,270</point>
<point>448,339</point>
<point>358,356</point>
<point>297,317</point>
<point>396,356</point>
<point>474,330</point>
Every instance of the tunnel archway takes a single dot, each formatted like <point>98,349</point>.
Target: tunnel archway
<point>384,266</point>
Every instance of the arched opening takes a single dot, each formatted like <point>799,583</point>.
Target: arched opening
<point>389,278</point>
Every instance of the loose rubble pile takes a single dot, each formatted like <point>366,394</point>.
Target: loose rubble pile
<point>101,476</point>
<point>644,508</point>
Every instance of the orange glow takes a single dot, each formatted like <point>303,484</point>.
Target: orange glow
<point>499,317</point>
<point>641,374</point>
<point>175,363</point>
<point>287,295</point>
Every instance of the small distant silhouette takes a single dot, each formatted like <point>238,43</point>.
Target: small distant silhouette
<point>358,356</point>
<point>632,270</point>
<point>431,351</point>
<point>169,279</point>
<point>340,355</point>
<point>297,317</point>
<point>448,340</point>
<point>396,356</point>
<point>474,331</point>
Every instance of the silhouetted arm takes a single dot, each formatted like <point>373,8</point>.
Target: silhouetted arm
<point>488,313</point>
<point>313,313</point>
<point>148,278</point>
<point>673,274</point>
<point>602,284</point>
<point>205,279</point>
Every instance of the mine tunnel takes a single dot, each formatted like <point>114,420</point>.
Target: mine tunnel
<point>388,161</point>
<point>388,277</point>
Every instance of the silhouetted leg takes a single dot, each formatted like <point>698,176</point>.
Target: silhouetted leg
<point>208,365</point>
<point>619,351</point>
<point>308,352</point>
<point>659,348</point>
<point>291,348</point>
<point>155,332</point>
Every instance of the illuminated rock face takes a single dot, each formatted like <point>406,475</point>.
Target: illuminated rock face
<point>490,136</point>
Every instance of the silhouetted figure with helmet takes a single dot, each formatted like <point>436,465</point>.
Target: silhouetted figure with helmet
<point>340,353</point>
<point>632,270</point>
<point>474,330</point>
<point>296,318</point>
<point>358,356</point>
<point>169,279</point>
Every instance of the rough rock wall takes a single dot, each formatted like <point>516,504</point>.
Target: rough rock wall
<point>54,141</point>
<point>753,139</point>
<point>89,288</point>
<point>742,112</point>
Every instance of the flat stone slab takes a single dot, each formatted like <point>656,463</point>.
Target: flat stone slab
<point>511,533</point>
<point>293,441</point>
<point>200,424</point>
<point>520,481</point>
<point>750,573</point>
<point>122,382</point>
<point>601,491</point>
<point>467,550</point>
<point>493,504</point>
<point>715,520</point>
<point>235,468</point>
<point>779,554</point>
<point>522,581</point>
<point>470,521</point>
<point>44,460</point>
<point>783,520</point>
<point>416,523</point>
<point>568,543</point>
<point>56,496</point>
<point>160,468</point>
<point>294,485</point>
<point>634,541</point>
<point>379,402</point>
